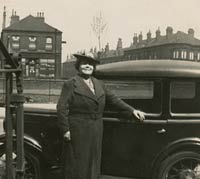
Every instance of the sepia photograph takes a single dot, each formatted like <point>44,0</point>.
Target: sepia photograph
<point>99,89</point>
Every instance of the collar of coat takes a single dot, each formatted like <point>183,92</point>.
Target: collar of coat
<point>81,88</point>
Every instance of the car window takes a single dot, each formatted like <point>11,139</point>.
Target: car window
<point>184,97</point>
<point>132,90</point>
<point>141,94</point>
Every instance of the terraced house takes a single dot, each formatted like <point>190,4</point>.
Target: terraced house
<point>179,45</point>
<point>38,43</point>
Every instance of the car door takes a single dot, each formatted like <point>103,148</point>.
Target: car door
<point>184,121</point>
<point>129,148</point>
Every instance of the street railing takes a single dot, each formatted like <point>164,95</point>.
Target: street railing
<point>14,112</point>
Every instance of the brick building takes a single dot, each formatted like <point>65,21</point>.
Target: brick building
<point>179,45</point>
<point>38,43</point>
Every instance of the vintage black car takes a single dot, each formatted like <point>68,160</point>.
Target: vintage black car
<point>165,146</point>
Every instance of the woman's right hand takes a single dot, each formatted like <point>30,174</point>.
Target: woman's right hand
<point>67,136</point>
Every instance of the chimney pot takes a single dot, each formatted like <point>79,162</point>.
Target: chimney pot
<point>40,16</point>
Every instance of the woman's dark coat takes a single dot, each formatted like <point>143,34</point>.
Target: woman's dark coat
<point>80,112</point>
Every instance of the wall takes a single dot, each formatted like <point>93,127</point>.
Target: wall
<point>38,91</point>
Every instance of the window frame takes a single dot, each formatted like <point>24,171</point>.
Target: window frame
<point>48,44</point>
<point>154,80</point>
<point>191,55</point>
<point>32,42</point>
<point>186,114</point>
<point>15,42</point>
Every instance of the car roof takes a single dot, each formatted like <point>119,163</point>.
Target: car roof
<point>150,68</point>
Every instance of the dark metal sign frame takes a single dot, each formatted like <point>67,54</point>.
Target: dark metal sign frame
<point>14,115</point>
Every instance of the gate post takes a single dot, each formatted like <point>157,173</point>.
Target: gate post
<point>9,129</point>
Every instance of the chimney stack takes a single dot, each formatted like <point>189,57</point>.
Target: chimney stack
<point>119,44</point>
<point>191,32</point>
<point>149,36</point>
<point>140,37</point>
<point>169,32</point>
<point>135,39</point>
<point>40,16</point>
<point>158,33</point>
<point>4,17</point>
<point>14,17</point>
<point>107,48</point>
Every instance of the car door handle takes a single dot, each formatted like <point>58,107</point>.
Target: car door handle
<point>161,131</point>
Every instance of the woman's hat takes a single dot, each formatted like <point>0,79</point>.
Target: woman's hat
<point>88,56</point>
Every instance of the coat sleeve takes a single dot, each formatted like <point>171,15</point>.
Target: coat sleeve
<point>63,107</point>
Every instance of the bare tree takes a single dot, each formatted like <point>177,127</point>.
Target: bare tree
<point>98,26</point>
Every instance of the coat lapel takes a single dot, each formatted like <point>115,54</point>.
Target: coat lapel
<point>98,88</point>
<point>81,88</point>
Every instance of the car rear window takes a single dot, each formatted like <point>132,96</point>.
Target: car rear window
<point>184,97</point>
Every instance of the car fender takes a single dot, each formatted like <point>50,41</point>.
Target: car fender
<point>185,144</point>
<point>28,141</point>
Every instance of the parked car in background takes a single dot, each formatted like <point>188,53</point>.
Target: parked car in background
<point>165,146</point>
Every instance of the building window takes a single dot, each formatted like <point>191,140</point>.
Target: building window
<point>48,45</point>
<point>32,43</point>
<point>183,54</point>
<point>47,68</point>
<point>15,42</point>
<point>176,54</point>
<point>198,56</point>
<point>24,66</point>
<point>191,55</point>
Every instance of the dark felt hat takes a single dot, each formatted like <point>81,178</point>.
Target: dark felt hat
<point>88,56</point>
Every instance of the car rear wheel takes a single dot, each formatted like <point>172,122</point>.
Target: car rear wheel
<point>33,167</point>
<point>182,165</point>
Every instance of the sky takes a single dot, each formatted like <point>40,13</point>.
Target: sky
<point>123,19</point>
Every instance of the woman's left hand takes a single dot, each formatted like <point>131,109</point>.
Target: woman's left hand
<point>139,115</point>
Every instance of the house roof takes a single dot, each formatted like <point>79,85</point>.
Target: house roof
<point>179,37</point>
<point>31,23</point>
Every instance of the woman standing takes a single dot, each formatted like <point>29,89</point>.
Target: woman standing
<point>80,109</point>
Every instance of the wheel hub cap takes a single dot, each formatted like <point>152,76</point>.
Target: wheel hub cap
<point>187,174</point>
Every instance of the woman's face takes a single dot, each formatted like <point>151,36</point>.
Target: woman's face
<point>86,67</point>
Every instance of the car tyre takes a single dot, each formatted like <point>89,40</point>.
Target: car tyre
<point>33,165</point>
<point>181,165</point>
